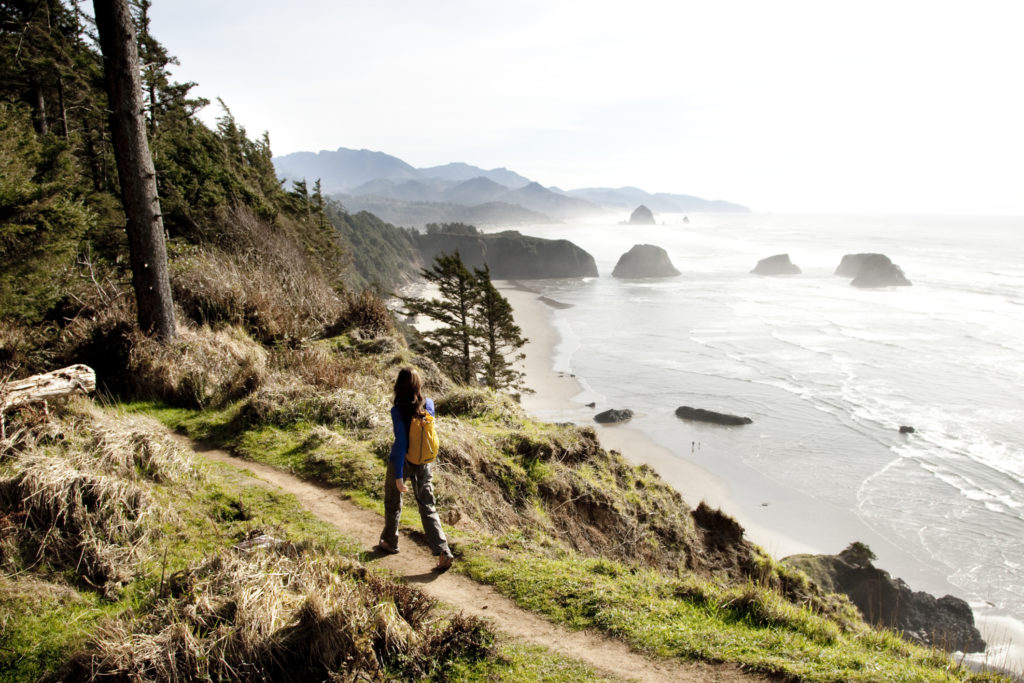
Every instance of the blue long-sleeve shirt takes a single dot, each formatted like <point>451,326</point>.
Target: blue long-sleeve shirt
<point>401,445</point>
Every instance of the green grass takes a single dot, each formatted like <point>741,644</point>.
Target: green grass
<point>523,663</point>
<point>653,611</point>
<point>701,619</point>
<point>42,622</point>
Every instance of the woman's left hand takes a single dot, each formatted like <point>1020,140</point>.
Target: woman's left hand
<point>400,485</point>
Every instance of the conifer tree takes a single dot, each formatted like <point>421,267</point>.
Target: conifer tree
<point>318,202</point>
<point>451,343</point>
<point>500,339</point>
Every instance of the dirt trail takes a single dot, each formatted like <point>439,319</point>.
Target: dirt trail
<point>415,562</point>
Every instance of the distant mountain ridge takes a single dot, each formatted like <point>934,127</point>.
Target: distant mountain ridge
<point>375,181</point>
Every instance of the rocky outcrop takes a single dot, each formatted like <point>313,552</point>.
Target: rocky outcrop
<point>511,255</point>
<point>871,270</point>
<point>641,216</point>
<point>701,415</point>
<point>644,260</point>
<point>946,622</point>
<point>776,265</point>
<point>613,415</point>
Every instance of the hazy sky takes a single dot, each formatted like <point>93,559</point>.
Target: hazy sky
<point>894,106</point>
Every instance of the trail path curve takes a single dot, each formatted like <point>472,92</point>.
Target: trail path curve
<point>414,563</point>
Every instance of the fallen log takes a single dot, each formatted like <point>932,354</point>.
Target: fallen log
<point>63,382</point>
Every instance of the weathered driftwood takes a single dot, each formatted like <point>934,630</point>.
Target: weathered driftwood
<point>49,385</point>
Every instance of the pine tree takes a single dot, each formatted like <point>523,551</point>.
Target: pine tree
<point>318,202</point>
<point>500,339</point>
<point>451,343</point>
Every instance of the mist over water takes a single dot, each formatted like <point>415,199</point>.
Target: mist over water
<point>829,372</point>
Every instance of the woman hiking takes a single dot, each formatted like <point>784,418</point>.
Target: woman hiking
<point>409,401</point>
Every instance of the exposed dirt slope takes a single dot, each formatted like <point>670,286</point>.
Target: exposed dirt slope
<point>414,562</point>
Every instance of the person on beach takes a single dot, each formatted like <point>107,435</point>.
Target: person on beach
<point>409,401</point>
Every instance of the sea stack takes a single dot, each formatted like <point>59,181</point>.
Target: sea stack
<point>644,260</point>
<point>641,216</point>
<point>776,265</point>
<point>872,270</point>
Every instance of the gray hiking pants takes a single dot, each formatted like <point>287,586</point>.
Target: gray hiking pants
<point>418,479</point>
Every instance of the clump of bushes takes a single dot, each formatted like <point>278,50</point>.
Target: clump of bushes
<point>23,350</point>
<point>366,312</point>
<point>202,369</point>
<point>473,402</point>
<point>276,303</point>
<point>258,276</point>
<point>282,403</point>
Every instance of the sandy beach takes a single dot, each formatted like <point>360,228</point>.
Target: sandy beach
<point>559,392</point>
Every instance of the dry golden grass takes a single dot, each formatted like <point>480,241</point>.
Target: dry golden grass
<point>282,401</point>
<point>365,312</point>
<point>279,615</point>
<point>23,350</point>
<point>78,496</point>
<point>202,369</point>
<point>254,275</point>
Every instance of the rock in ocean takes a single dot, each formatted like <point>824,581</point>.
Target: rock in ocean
<point>641,216</point>
<point>871,270</point>
<point>644,260</point>
<point>776,265</point>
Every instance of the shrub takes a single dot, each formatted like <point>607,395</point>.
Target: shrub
<point>23,350</point>
<point>282,403</point>
<point>275,302</point>
<point>366,312</point>
<point>472,402</point>
<point>202,369</point>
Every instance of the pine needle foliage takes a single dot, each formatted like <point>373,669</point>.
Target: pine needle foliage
<point>475,336</point>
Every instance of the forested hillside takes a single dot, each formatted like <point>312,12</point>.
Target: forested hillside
<point>63,250</point>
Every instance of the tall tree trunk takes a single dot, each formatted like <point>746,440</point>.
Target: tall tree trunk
<point>148,252</point>
<point>42,126</point>
<point>63,108</point>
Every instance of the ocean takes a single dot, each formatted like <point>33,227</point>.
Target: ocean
<point>828,373</point>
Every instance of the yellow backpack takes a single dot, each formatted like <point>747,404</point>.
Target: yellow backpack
<point>423,441</point>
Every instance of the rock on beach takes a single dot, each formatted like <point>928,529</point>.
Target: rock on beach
<point>701,415</point>
<point>613,415</point>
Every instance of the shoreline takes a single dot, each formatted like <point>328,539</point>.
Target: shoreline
<point>561,394</point>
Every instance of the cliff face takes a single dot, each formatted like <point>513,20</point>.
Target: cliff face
<point>511,255</point>
<point>945,622</point>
